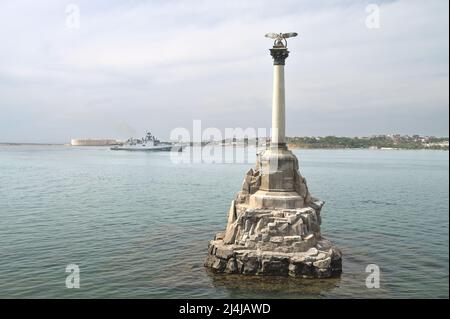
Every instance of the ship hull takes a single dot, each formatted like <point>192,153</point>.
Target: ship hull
<point>148,149</point>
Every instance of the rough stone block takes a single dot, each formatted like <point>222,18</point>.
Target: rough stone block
<point>307,270</point>
<point>283,249</point>
<point>240,266</point>
<point>251,266</point>
<point>231,267</point>
<point>317,205</point>
<point>240,198</point>
<point>291,219</point>
<point>290,239</point>
<point>306,210</point>
<point>301,246</point>
<point>282,226</point>
<point>296,270</point>
<point>322,273</point>
<point>268,246</point>
<point>312,252</point>
<point>321,256</point>
<point>278,213</point>
<point>219,265</point>
<point>324,245</point>
<point>258,180</point>
<point>209,261</point>
<point>276,239</point>
<point>323,263</point>
<point>259,225</point>
<point>250,244</point>
<point>298,258</point>
<point>231,233</point>
<point>270,267</point>
<point>219,236</point>
<point>253,189</point>
<point>247,225</point>
<point>224,252</point>
<point>315,228</point>
<point>211,248</point>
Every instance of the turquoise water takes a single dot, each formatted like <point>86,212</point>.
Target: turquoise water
<point>138,224</point>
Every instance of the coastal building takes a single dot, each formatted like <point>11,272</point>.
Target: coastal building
<point>274,222</point>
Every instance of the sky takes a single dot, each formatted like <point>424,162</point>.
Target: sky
<point>115,69</point>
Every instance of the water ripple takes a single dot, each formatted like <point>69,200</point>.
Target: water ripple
<point>138,225</point>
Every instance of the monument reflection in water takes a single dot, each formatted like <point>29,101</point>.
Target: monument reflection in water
<point>274,222</point>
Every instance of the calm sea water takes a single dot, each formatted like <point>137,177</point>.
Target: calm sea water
<point>138,224</point>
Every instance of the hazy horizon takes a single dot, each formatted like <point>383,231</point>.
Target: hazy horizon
<point>214,140</point>
<point>133,66</point>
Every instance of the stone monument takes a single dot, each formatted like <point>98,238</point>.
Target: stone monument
<point>274,222</point>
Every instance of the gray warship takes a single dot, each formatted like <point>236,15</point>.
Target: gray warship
<point>148,143</point>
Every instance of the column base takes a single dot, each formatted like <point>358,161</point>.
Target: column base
<point>278,146</point>
<point>276,200</point>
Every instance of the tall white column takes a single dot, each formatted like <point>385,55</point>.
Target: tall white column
<point>279,54</point>
<point>278,106</point>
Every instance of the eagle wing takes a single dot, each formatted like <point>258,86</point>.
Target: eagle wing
<point>272,35</point>
<point>289,35</point>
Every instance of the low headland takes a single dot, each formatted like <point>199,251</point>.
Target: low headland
<point>414,142</point>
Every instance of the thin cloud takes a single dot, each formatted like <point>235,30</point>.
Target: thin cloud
<point>136,66</point>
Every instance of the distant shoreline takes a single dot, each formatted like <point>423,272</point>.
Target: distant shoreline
<point>367,148</point>
<point>31,144</point>
<point>373,142</point>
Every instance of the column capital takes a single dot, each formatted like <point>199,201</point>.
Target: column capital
<point>279,55</point>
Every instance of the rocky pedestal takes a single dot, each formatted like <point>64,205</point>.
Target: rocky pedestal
<point>268,237</point>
